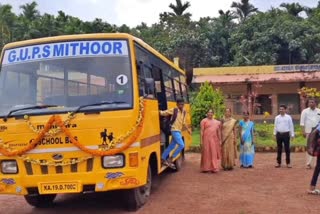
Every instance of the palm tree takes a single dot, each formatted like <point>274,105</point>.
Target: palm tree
<point>29,11</point>
<point>226,17</point>
<point>7,19</point>
<point>243,9</point>
<point>180,8</point>
<point>293,9</point>
<point>29,21</point>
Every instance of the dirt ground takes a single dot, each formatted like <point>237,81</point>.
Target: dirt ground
<point>263,189</point>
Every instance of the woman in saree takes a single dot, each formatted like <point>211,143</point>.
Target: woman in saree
<point>210,140</point>
<point>246,129</point>
<point>229,143</point>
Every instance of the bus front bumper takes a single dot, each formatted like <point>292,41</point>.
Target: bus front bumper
<point>114,179</point>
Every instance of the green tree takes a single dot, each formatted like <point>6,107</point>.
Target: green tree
<point>97,26</point>
<point>243,9</point>
<point>207,98</point>
<point>48,25</point>
<point>219,34</point>
<point>293,9</point>
<point>275,37</point>
<point>7,19</point>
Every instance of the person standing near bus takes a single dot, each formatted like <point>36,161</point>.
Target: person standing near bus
<point>177,123</point>
<point>316,172</point>
<point>210,141</point>
<point>229,141</point>
<point>283,131</point>
<point>246,135</point>
<point>310,117</point>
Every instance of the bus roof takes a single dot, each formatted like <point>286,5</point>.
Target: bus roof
<point>92,36</point>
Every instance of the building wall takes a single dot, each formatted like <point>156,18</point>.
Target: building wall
<point>277,93</point>
<point>313,85</point>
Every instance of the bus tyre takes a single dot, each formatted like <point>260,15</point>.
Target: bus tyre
<point>40,201</point>
<point>137,197</point>
<point>178,163</point>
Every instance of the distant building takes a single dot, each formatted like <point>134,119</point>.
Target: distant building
<point>266,86</point>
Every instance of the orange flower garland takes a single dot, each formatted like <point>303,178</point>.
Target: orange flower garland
<point>56,119</point>
<point>4,149</point>
<point>94,152</point>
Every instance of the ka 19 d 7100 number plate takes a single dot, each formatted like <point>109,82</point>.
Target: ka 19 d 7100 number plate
<point>59,187</point>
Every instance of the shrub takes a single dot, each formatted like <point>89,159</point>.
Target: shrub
<point>207,98</point>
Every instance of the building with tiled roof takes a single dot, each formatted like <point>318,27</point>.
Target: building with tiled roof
<point>266,86</point>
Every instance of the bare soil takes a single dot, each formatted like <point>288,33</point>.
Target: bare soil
<point>263,189</point>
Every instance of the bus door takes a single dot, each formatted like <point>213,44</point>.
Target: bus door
<point>162,103</point>
<point>151,85</point>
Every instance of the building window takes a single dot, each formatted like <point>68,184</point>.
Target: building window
<point>239,106</point>
<point>292,101</point>
<point>262,104</point>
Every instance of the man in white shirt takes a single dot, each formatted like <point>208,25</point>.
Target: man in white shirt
<point>310,117</point>
<point>283,130</point>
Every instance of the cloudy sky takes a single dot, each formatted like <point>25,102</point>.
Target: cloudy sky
<point>133,12</point>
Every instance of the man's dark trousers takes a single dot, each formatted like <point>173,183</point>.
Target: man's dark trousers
<point>283,138</point>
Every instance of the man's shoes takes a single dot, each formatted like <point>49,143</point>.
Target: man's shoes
<point>171,164</point>
<point>278,165</point>
<point>308,166</point>
<point>168,163</point>
<point>164,162</point>
<point>289,166</point>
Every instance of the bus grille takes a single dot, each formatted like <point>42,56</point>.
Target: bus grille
<point>32,169</point>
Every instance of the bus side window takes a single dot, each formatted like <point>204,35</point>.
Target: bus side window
<point>149,81</point>
<point>146,81</point>
<point>140,78</point>
<point>149,87</point>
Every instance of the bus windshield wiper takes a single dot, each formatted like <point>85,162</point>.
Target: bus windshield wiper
<point>27,108</point>
<point>97,104</point>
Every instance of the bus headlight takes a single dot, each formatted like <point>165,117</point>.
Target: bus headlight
<point>113,161</point>
<point>9,167</point>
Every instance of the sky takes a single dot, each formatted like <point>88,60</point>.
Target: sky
<point>134,12</point>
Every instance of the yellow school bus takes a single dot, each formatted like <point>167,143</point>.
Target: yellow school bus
<point>80,113</point>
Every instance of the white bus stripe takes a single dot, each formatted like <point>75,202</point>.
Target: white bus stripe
<point>73,149</point>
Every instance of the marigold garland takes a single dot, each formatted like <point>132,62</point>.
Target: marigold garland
<point>53,131</point>
<point>134,133</point>
<point>5,149</point>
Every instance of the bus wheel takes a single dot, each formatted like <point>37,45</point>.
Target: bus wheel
<point>178,163</point>
<point>40,201</point>
<point>137,197</point>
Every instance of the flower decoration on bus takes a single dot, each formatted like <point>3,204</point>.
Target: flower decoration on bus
<point>130,137</point>
<point>129,181</point>
<point>113,175</point>
<point>8,181</point>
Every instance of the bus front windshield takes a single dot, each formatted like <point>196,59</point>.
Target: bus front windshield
<point>66,75</point>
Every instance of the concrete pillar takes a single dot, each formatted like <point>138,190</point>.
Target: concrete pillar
<point>274,104</point>
<point>250,100</point>
<point>302,98</point>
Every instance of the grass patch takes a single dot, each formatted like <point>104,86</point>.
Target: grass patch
<point>264,136</point>
<point>195,137</point>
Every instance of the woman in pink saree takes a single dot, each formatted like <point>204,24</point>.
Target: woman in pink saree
<point>210,140</point>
